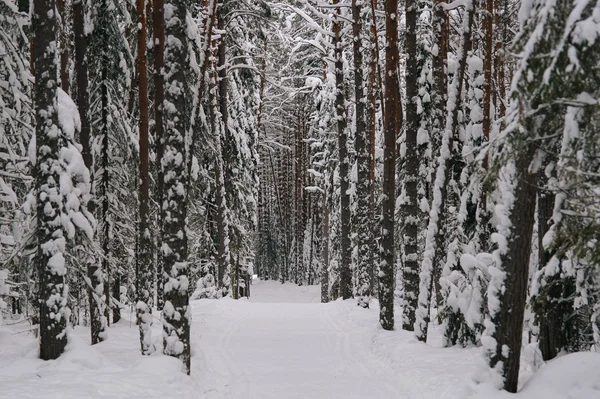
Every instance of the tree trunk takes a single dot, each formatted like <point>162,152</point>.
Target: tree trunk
<point>50,260</point>
<point>344,162</point>
<point>325,266</point>
<point>98,322</point>
<point>508,320</point>
<point>488,27</point>
<point>144,255</point>
<point>501,19</point>
<point>411,210</point>
<point>371,122</point>
<point>299,197</point>
<point>158,31</point>
<point>550,318</point>
<point>391,126</point>
<point>363,185</point>
<point>440,96</point>
<point>176,327</point>
<point>222,135</point>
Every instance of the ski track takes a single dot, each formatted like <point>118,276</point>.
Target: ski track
<point>280,344</point>
<point>261,349</point>
<point>356,352</point>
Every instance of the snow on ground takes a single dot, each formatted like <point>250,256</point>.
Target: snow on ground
<point>279,344</point>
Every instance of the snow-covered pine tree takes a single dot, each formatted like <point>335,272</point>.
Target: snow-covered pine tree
<point>410,207</point>
<point>344,162</point>
<point>563,83</point>
<point>362,145</point>
<point>435,248</point>
<point>115,144</point>
<point>176,316</point>
<point>51,234</point>
<point>565,290</point>
<point>391,126</point>
<point>95,282</point>
<point>158,52</point>
<point>144,258</point>
<point>62,184</point>
<point>16,130</point>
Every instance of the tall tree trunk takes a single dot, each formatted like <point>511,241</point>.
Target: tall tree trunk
<point>105,214</point>
<point>158,31</point>
<point>371,122</point>
<point>50,259</point>
<point>487,106</point>
<point>143,259</point>
<point>440,96</point>
<point>410,209</point>
<point>362,147</point>
<point>176,327</point>
<point>222,112</point>
<point>344,162</point>
<point>98,322</point>
<point>514,260</point>
<point>391,127</point>
<point>298,197</point>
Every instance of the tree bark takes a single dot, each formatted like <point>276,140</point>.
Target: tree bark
<point>391,126</point>
<point>51,238</point>
<point>176,327</point>
<point>440,96</point>
<point>515,263</point>
<point>96,303</point>
<point>221,131</point>
<point>325,266</point>
<point>64,44</point>
<point>411,210</point>
<point>144,259</point>
<point>344,162</point>
<point>362,148</point>
<point>158,31</point>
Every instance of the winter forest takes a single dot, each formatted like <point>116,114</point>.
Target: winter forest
<point>300,198</point>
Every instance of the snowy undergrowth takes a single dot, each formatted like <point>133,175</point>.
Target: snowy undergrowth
<point>111,369</point>
<point>279,344</point>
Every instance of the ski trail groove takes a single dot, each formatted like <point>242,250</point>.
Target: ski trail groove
<point>359,354</point>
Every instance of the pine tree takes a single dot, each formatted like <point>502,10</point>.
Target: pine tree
<point>410,213</point>
<point>362,146</point>
<point>176,323</point>
<point>158,32</point>
<point>50,260</point>
<point>144,257</point>
<point>391,125</point>
<point>435,248</point>
<point>94,272</point>
<point>542,88</point>
<point>62,184</point>
<point>344,161</point>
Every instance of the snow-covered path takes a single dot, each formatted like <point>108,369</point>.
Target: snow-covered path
<point>280,344</point>
<point>289,351</point>
<point>267,348</point>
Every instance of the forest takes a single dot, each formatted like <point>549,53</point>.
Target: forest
<point>435,164</point>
